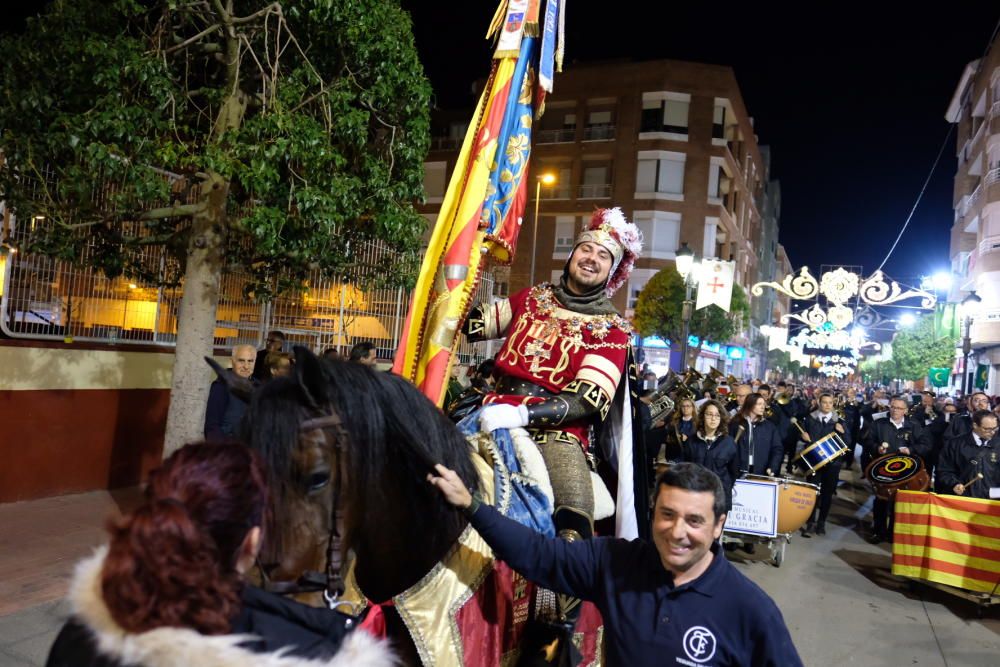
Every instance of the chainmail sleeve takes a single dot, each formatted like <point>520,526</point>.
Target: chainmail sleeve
<point>589,393</point>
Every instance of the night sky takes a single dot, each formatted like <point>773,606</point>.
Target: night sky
<point>851,101</point>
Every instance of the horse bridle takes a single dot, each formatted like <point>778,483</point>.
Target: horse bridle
<point>330,583</point>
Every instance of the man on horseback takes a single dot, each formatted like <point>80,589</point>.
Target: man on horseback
<point>560,370</point>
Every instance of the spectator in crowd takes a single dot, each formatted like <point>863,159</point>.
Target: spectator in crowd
<point>675,600</point>
<point>169,589</point>
<point>274,343</point>
<point>331,354</point>
<point>279,364</point>
<point>364,353</point>
<point>225,411</point>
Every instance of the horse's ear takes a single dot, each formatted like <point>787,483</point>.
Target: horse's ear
<point>239,387</point>
<point>309,375</point>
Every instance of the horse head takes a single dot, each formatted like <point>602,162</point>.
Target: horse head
<point>338,429</point>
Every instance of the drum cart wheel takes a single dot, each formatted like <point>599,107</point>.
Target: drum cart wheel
<point>778,545</point>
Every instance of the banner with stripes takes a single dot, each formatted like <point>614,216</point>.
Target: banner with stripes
<point>948,540</point>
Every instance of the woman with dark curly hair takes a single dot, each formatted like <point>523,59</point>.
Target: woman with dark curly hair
<point>711,446</point>
<point>169,587</point>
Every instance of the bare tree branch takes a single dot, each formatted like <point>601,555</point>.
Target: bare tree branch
<point>191,40</point>
<point>178,210</point>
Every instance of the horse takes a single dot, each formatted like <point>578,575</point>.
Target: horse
<point>337,434</point>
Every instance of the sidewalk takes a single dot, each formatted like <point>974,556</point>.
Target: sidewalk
<point>42,540</point>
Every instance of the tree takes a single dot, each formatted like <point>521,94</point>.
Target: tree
<point>269,137</point>
<point>916,350</point>
<point>658,311</point>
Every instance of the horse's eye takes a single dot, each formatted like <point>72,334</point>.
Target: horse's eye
<point>318,480</point>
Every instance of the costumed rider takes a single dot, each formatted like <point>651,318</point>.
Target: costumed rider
<point>562,375</point>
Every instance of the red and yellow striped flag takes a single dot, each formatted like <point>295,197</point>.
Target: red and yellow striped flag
<point>948,540</point>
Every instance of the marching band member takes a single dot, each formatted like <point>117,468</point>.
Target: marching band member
<point>820,424</point>
<point>966,457</point>
<point>897,433</point>
<point>711,446</point>
<point>756,438</point>
<point>680,429</point>
<point>961,424</point>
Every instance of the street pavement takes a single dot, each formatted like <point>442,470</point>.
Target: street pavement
<point>836,592</point>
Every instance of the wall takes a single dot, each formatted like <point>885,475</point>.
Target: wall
<point>74,420</point>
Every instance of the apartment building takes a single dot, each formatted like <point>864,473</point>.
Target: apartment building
<point>669,142</point>
<point>975,233</point>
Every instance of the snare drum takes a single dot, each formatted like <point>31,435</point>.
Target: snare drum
<point>822,451</point>
<point>895,472</point>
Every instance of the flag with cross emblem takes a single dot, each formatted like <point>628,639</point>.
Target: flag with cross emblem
<point>715,285</point>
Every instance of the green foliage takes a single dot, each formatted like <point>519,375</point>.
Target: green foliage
<point>782,359</point>
<point>916,350</point>
<point>658,311</point>
<point>318,127</point>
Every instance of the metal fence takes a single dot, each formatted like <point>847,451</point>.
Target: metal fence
<point>47,299</point>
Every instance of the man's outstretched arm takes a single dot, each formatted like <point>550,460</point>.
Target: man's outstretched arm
<point>572,568</point>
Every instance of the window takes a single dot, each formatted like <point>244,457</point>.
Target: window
<point>660,172</point>
<point>713,180</point>
<point>719,122</point>
<point>598,118</point>
<point>435,180</point>
<point>661,233</point>
<point>665,112</point>
<point>566,228</point>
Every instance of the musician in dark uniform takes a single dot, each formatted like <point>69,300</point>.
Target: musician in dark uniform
<point>967,456</point>
<point>757,442</point>
<point>932,419</point>
<point>756,438</point>
<point>852,424</point>
<point>774,413</point>
<point>820,424</point>
<point>896,433</point>
<point>870,412</point>
<point>962,423</point>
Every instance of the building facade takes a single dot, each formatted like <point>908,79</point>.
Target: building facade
<point>669,142</point>
<point>975,233</point>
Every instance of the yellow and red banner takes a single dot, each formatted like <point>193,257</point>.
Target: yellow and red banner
<point>948,540</point>
<point>483,205</point>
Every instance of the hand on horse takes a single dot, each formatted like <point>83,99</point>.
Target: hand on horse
<point>450,486</point>
<point>502,416</point>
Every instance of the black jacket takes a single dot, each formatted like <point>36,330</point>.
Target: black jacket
<point>910,435</point>
<point>720,456</point>
<point>766,445</point>
<point>959,462</point>
<point>320,637</point>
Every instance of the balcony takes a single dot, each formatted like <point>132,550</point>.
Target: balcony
<point>970,202</point>
<point>599,133</point>
<point>563,136</point>
<point>594,191</point>
<point>558,192</point>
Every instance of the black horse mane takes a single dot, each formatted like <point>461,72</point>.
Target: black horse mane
<point>394,436</point>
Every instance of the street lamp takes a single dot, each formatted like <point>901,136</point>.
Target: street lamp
<point>688,269</point>
<point>970,308</point>
<point>547,179</point>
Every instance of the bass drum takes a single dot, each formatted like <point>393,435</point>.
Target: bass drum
<point>895,472</point>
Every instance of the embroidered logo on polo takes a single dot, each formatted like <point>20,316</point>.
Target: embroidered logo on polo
<point>699,644</point>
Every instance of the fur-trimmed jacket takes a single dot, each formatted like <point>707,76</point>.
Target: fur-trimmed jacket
<point>269,631</point>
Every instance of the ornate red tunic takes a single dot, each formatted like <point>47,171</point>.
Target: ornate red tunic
<point>557,349</point>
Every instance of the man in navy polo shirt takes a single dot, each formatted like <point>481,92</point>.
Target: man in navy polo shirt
<point>677,601</point>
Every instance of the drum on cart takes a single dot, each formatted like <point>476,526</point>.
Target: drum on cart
<point>897,472</point>
<point>821,452</point>
<point>769,506</point>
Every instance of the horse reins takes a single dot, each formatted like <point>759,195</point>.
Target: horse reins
<point>330,583</point>
<point>334,582</point>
